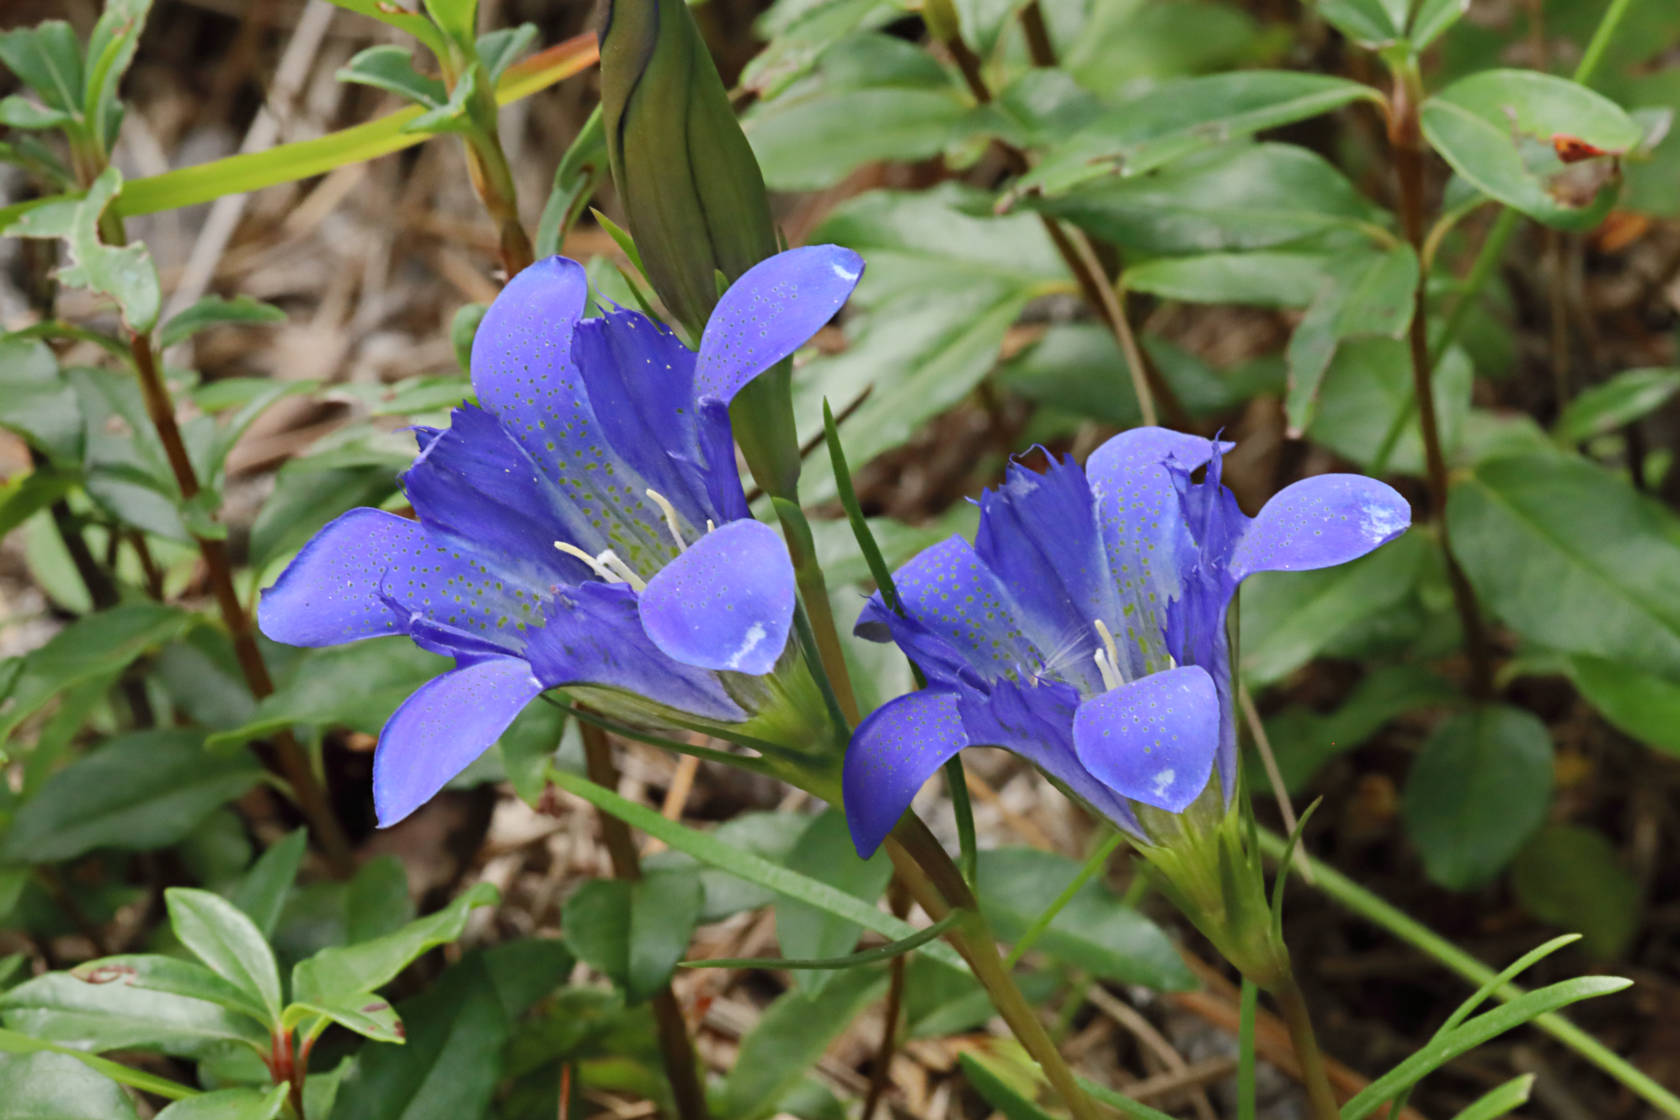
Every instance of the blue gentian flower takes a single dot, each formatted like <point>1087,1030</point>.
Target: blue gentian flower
<point>583,524</point>
<point>1084,629</point>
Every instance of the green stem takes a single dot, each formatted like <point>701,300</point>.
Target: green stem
<point>1600,41</point>
<point>1292,1007</point>
<point>1362,902</point>
<point>1246,1009</point>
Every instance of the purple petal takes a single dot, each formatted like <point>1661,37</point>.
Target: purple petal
<point>522,368</point>
<point>1144,531</point>
<point>640,380</point>
<point>473,486</point>
<point>892,753</point>
<point>439,730</point>
<point>725,603</point>
<point>1036,722</point>
<point>1039,533</point>
<point>959,611</point>
<point>1318,522</point>
<point>771,311</point>
<point>369,573</point>
<point>525,372</point>
<point>1152,740</point>
<point>594,636</point>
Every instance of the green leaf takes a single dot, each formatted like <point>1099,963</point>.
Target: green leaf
<point>172,976</point>
<point>1362,296</point>
<point>1236,197</point>
<point>1367,391</point>
<point>789,1037</point>
<point>48,60</point>
<point>945,282</point>
<point>1261,279</point>
<point>575,178</point>
<point>372,964</point>
<point>458,19</point>
<point>451,1060</point>
<point>1572,557</point>
<point>62,1008</point>
<point>1496,130</point>
<point>139,791</point>
<point>709,849</point>
<point>402,18</point>
<point>464,327</point>
<point>37,403</point>
<point>824,851</point>
<point>813,141</point>
<point>1288,618</point>
<point>1184,116</point>
<point>125,274</point>
<point>356,686</point>
<point>221,936</point>
<point>48,1086</point>
<point>1626,397</point>
<point>230,1104</point>
<point>453,115</point>
<point>1476,791</point>
<point>1370,23</point>
<point>767,835</point>
<point>634,932</point>
<point>20,112</point>
<point>1305,740</point>
<point>307,494</point>
<point>111,47</point>
<point>1642,704</point>
<point>1123,48</point>
<point>798,34</point>
<point>29,493</point>
<point>1475,1032</point>
<point>214,311</point>
<point>1096,931</point>
<point>995,1083</point>
<point>1571,877</point>
<point>369,1015</point>
<point>498,48</point>
<point>378,901</point>
<point>1498,1101</point>
<point>11,1042</point>
<point>391,68</point>
<point>1433,17</point>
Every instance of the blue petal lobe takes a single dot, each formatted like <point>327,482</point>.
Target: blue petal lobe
<point>771,311</point>
<point>1153,740</point>
<point>522,368</point>
<point>1144,532</point>
<point>726,603</point>
<point>369,573</point>
<point>1039,533</point>
<point>1318,522</point>
<point>961,619</point>
<point>439,730</point>
<point>595,636</point>
<point>640,381</point>
<point>892,753</point>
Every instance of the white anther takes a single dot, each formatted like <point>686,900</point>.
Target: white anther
<point>1110,678</point>
<point>1113,653</point>
<point>670,513</point>
<point>610,559</point>
<point>710,525</point>
<point>607,565</point>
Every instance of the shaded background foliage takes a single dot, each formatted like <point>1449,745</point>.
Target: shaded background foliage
<point>1266,272</point>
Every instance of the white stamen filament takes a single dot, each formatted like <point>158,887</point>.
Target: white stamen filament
<point>710,525</point>
<point>607,565</point>
<point>1110,678</point>
<point>1113,655</point>
<point>670,513</point>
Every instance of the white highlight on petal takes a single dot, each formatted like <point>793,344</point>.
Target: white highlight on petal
<point>1163,781</point>
<point>755,635</point>
<point>1381,521</point>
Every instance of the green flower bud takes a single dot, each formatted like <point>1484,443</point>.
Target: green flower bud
<point>694,196</point>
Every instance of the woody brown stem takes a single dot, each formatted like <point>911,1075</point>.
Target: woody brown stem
<point>289,759</point>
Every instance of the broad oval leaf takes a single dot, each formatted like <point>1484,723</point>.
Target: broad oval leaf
<point>1476,791</point>
<point>47,1086</point>
<point>1498,129</point>
<point>221,936</point>
<point>230,1104</point>
<point>61,1008</point>
<point>634,932</point>
<point>1571,877</point>
<point>372,964</point>
<point>1572,557</point>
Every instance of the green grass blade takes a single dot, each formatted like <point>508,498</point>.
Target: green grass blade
<point>1497,1102</point>
<point>850,960</point>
